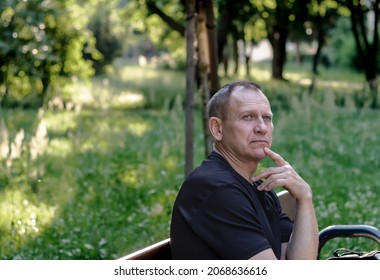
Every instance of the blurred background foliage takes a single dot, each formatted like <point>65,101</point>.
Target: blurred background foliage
<point>92,115</point>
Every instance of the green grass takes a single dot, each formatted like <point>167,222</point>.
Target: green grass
<point>96,178</point>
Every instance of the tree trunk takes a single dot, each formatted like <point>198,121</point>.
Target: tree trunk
<point>212,47</point>
<point>277,39</point>
<point>235,51</point>
<point>321,42</point>
<point>205,98</point>
<point>3,81</point>
<point>45,80</point>
<point>204,65</point>
<point>371,75</point>
<point>316,57</point>
<point>373,52</point>
<point>190,74</point>
<point>225,60</point>
<point>225,23</point>
<point>298,58</point>
<point>367,49</point>
<point>248,52</point>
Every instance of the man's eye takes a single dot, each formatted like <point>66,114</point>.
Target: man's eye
<point>247,117</point>
<point>267,118</point>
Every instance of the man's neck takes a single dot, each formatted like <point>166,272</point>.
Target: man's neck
<point>245,170</point>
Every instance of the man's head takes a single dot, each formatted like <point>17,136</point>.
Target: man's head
<point>240,120</point>
<point>218,104</point>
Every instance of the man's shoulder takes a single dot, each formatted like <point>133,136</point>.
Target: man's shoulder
<point>214,167</point>
<point>208,181</point>
<point>213,172</point>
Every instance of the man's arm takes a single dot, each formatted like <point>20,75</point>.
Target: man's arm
<point>268,254</point>
<point>303,243</point>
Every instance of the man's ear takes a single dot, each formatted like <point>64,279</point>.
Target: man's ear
<point>215,127</point>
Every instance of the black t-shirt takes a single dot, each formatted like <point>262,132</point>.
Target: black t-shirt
<point>220,215</point>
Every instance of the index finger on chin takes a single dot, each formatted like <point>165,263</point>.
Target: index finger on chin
<point>277,159</point>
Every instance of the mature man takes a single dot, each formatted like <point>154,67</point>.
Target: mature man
<point>222,211</point>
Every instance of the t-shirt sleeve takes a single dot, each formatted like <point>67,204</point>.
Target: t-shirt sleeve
<point>228,222</point>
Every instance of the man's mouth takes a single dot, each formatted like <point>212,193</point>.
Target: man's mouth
<point>260,142</point>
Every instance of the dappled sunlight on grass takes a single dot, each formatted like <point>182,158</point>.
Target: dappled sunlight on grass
<point>60,147</point>
<point>98,145</point>
<point>131,178</point>
<point>341,85</point>
<point>296,77</point>
<point>138,73</point>
<point>104,95</point>
<point>304,81</point>
<point>261,74</point>
<point>156,209</point>
<point>60,122</point>
<point>139,128</point>
<point>328,79</point>
<point>144,74</point>
<point>81,93</point>
<point>22,217</point>
<point>160,87</point>
<point>127,100</point>
<point>170,163</point>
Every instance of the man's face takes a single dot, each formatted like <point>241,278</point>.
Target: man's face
<point>248,127</point>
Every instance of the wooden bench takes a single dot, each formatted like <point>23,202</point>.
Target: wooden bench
<point>161,250</point>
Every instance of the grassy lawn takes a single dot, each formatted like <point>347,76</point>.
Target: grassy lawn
<point>97,177</point>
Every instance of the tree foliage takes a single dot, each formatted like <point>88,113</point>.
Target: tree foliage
<point>45,41</point>
<point>106,22</point>
<point>41,43</point>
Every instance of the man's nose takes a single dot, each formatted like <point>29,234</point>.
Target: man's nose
<point>260,126</point>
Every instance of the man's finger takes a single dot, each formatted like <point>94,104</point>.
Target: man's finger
<point>278,160</point>
<point>266,173</point>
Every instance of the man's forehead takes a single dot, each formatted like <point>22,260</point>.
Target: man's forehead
<point>248,95</point>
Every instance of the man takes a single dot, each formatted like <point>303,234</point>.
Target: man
<point>222,211</point>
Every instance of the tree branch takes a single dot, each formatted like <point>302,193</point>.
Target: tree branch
<point>175,25</point>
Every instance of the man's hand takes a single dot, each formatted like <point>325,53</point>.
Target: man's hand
<point>283,175</point>
<point>303,243</point>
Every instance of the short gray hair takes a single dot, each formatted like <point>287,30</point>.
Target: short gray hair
<point>217,106</point>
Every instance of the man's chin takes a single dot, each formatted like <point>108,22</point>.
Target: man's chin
<point>259,155</point>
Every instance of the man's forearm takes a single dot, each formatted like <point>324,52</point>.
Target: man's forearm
<point>303,243</point>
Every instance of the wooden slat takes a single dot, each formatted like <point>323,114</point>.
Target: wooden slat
<point>288,204</point>
<point>158,251</point>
